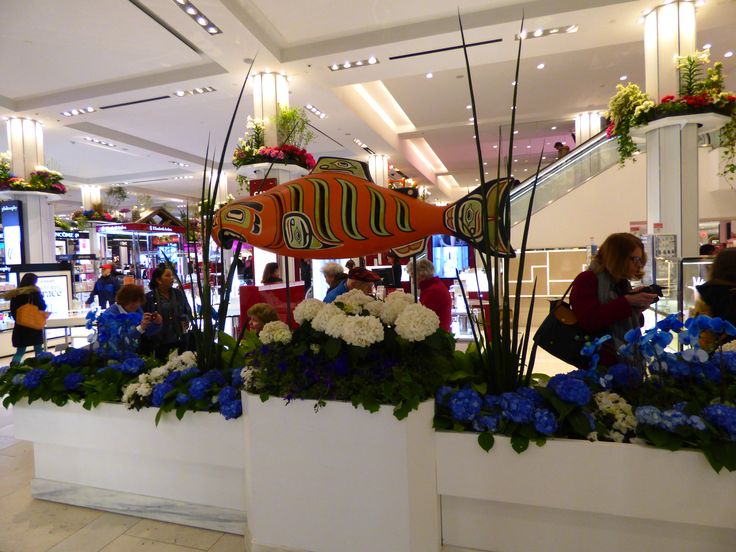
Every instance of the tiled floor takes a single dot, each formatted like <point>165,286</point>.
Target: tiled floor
<point>29,525</point>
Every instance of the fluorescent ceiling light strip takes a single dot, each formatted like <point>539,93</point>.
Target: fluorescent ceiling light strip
<point>423,157</point>
<point>375,107</point>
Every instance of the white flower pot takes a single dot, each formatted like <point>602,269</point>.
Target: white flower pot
<point>114,459</point>
<point>579,496</point>
<point>341,479</point>
<point>281,172</point>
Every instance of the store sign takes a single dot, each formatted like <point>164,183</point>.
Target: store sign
<point>55,291</point>
<point>64,235</point>
<point>11,215</point>
<point>256,187</point>
<point>135,227</point>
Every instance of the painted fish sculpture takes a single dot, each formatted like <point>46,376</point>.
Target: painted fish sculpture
<point>336,214</point>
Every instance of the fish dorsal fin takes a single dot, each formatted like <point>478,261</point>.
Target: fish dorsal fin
<point>408,191</point>
<point>343,165</point>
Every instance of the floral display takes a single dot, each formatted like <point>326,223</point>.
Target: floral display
<point>667,399</point>
<point>41,179</point>
<point>97,214</point>
<point>293,136</point>
<point>699,92</point>
<point>346,351</point>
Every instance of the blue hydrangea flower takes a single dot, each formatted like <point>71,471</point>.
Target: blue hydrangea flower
<point>44,356</point>
<point>33,378</point>
<point>465,404</point>
<point>486,423</point>
<point>722,416</point>
<point>672,419</point>
<point>532,395</point>
<point>696,422</point>
<point>680,406</point>
<point>214,376</point>
<point>182,398</point>
<point>678,369</point>
<point>573,391</point>
<point>73,381</point>
<point>231,409</point>
<point>545,421</point>
<point>228,394</point>
<point>625,376</point>
<point>728,358</point>
<point>648,415</point>
<point>159,393</point>
<point>133,365</point>
<point>492,402</point>
<point>236,379</point>
<point>198,388</point>
<point>517,408</point>
<point>18,379</point>
<point>442,393</point>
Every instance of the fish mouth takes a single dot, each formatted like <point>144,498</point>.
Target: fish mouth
<point>227,238</point>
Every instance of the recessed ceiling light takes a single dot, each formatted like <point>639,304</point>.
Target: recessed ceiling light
<point>516,160</point>
<point>623,77</point>
<point>495,146</point>
<point>516,132</point>
<point>543,158</point>
<point>429,75</point>
<point>100,142</point>
<point>372,60</point>
<point>707,46</point>
<point>572,29</point>
<point>471,119</point>
<point>553,31</point>
<point>540,66</point>
<point>316,111</point>
<point>346,65</point>
<point>359,63</point>
<point>73,112</point>
<point>198,16</point>
<point>513,83</point>
<point>522,35</point>
<point>538,33</point>
<point>334,67</point>
<point>554,128</point>
<point>194,91</point>
<point>485,162</point>
<point>728,54</point>
<point>474,136</point>
<point>528,147</point>
<point>468,107</point>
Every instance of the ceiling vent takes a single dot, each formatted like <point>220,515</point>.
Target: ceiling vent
<point>113,106</point>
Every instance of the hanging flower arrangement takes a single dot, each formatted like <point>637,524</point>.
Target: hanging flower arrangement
<point>41,179</point>
<point>701,91</point>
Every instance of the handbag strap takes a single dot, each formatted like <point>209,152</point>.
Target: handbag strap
<point>567,291</point>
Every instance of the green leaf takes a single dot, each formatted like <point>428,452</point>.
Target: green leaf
<point>519,443</point>
<point>580,423</point>
<point>486,441</point>
<point>332,348</point>
<point>480,387</point>
<point>227,340</point>
<point>158,416</point>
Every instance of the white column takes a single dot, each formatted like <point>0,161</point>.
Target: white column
<point>672,149</point>
<point>90,195</point>
<point>378,165</point>
<point>25,141</point>
<point>587,125</point>
<point>270,93</point>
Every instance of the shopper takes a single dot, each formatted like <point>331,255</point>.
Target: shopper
<point>121,326</point>
<point>171,305</point>
<point>305,271</point>
<point>393,259</point>
<point>336,279</point>
<point>433,294</point>
<point>259,315</point>
<point>718,294</point>
<point>106,287</point>
<point>23,337</point>
<point>271,274</point>
<point>362,279</point>
<point>562,149</point>
<point>602,297</point>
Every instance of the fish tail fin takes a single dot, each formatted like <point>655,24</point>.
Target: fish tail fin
<point>464,218</point>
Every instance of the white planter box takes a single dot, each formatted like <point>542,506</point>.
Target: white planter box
<point>580,496</point>
<point>341,479</point>
<point>111,458</point>
<point>282,173</point>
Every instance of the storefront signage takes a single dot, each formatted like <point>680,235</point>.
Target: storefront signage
<point>256,187</point>
<point>11,213</point>
<point>135,227</point>
<point>55,291</point>
<point>64,235</point>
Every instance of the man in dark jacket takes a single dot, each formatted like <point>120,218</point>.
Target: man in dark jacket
<point>106,287</point>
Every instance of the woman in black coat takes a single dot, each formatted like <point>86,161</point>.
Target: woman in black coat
<point>169,309</point>
<point>26,292</point>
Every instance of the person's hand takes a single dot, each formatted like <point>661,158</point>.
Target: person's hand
<point>156,318</point>
<point>641,300</point>
<point>146,320</point>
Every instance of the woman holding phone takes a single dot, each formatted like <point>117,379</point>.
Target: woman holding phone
<point>172,306</point>
<point>121,326</point>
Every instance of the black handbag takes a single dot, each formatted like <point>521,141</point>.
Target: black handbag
<point>561,335</point>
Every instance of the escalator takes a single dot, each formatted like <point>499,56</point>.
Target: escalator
<point>563,176</point>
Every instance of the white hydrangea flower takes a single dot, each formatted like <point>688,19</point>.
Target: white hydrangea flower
<point>129,393</point>
<point>375,308</point>
<point>275,332</point>
<point>354,298</point>
<point>334,327</point>
<point>416,322</point>
<point>391,311</point>
<point>188,360</point>
<point>327,312</point>
<point>624,421</point>
<point>362,331</point>
<point>143,378</point>
<point>307,310</point>
<point>144,389</point>
<point>247,374</point>
<point>399,296</point>
<point>159,373</point>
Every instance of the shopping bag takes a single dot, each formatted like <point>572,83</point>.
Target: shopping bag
<point>30,316</point>
<point>561,335</point>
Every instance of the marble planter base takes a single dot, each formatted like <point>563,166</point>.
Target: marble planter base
<point>111,458</point>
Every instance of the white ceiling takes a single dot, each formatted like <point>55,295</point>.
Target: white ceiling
<point>59,55</point>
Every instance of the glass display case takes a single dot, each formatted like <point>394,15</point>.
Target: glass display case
<point>694,271</point>
<point>662,269</point>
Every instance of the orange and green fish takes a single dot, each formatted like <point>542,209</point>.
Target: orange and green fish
<point>335,214</point>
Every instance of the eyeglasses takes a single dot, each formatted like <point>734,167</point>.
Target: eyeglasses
<point>637,260</point>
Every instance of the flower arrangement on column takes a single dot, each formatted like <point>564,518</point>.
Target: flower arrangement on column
<point>701,90</point>
<point>41,179</point>
<point>293,136</point>
<point>97,213</point>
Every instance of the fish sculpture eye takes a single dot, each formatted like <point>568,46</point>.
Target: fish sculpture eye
<point>470,214</point>
<point>297,231</point>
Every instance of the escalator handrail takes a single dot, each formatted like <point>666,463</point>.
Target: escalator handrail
<point>557,166</point>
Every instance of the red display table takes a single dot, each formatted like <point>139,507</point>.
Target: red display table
<point>272,294</point>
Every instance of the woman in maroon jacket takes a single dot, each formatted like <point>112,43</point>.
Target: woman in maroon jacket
<point>602,297</point>
<point>433,294</point>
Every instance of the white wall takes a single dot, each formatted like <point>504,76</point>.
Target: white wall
<point>608,202</point>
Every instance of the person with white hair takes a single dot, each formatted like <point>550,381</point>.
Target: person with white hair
<point>433,294</point>
<point>336,279</point>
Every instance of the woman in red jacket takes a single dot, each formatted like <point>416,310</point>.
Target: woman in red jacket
<point>602,297</point>
<point>433,294</point>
